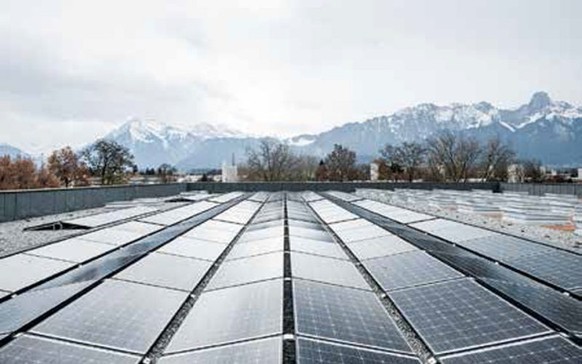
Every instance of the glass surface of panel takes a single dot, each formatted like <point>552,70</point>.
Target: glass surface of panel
<point>272,232</point>
<point>112,216</point>
<point>364,233</point>
<point>167,271</point>
<point>561,268</point>
<point>113,236</point>
<point>72,250</point>
<point>317,247</point>
<point>218,236</point>
<point>232,314</point>
<point>344,314</point>
<point>322,269</point>
<point>504,247</point>
<point>380,246</point>
<point>116,314</point>
<point>461,314</point>
<point>256,351</point>
<point>255,248</point>
<point>21,270</point>
<point>541,351</point>
<point>28,349</point>
<point>316,234</point>
<point>409,269</point>
<point>320,352</point>
<point>241,271</point>
<point>139,227</point>
<point>194,248</point>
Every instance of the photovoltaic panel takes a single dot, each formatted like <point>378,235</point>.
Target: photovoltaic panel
<point>350,224</point>
<point>255,248</point>
<point>181,213</point>
<point>194,248</point>
<point>256,351</point>
<point>30,270</point>
<point>110,217</point>
<point>540,351</point>
<point>209,234</point>
<point>304,224</point>
<point>364,233</point>
<point>116,314</point>
<point>265,225</point>
<point>401,215</point>
<point>322,269</point>
<point>27,349</point>
<point>460,314</point>
<point>269,233</point>
<point>344,314</point>
<point>380,246</point>
<point>330,212</point>
<point>167,271</point>
<point>504,247</point>
<point>4,293</point>
<point>232,314</point>
<point>320,352</point>
<point>241,271</point>
<point>344,196</point>
<point>452,230</point>
<point>408,270</point>
<point>139,227</point>
<point>113,236</point>
<point>317,247</point>
<point>72,250</point>
<point>226,197</point>
<point>315,234</point>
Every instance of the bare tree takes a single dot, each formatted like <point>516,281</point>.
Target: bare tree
<point>532,170</point>
<point>341,163</point>
<point>321,174</point>
<point>409,156</point>
<point>109,160</point>
<point>273,161</point>
<point>22,173</point>
<point>305,168</point>
<point>454,155</point>
<point>67,167</point>
<point>167,173</point>
<point>496,159</point>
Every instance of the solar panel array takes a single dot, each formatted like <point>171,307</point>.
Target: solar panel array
<point>272,272</point>
<point>105,218</point>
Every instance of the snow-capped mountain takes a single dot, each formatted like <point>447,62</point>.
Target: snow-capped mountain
<point>154,143</point>
<point>543,128</point>
<point>9,150</point>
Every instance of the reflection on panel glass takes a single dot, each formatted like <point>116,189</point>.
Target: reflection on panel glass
<point>231,314</point>
<point>116,314</point>
<point>255,248</point>
<point>341,272</point>
<point>320,352</point>
<point>345,314</point>
<point>317,247</point>
<point>380,246</point>
<point>72,250</point>
<point>460,314</point>
<point>241,271</point>
<point>167,271</point>
<point>21,270</point>
<point>194,248</point>
<point>546,350</point>
<point>409,269</point>
<point>28,349</point>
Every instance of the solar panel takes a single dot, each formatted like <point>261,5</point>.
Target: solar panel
<point>304,224</point>
<point>232,314</point>
<point>116,314</point>
<point>265,225</point>
<point>226,197</point>
<point>408,270</point>
<point>27,349</point>
<point>320,352</point>
<point>460,314</point>
<point>379,247</point>
<point>113,236</point>
<point>310,233</point>
<point>330,212</point>
<point>561,268</point>
<point>72,250</point>
<point>4,293</point>
<point>255,248</point>
<point>166,271</point>
<point>317,247</point>
<point>181,213</point>
<point>109,217</point>
<point>350,224</point>
<point>335,271</point>
<point>504,247</point>
<point>194,248</point>
<point>272,232</point>
<point>256,351</point>
<point>546,350</point>
<point>452,230</point>
<point>139,227</point>
<point>364,233</point>
<point>30,270</point>
<point>395,213</point>
<point>209,234</point>
<point>344,314</point>
<point>241,271</point>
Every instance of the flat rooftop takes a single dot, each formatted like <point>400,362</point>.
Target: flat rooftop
<point>282,277</point>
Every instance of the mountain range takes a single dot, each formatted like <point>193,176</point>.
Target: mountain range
<point>543,128</point>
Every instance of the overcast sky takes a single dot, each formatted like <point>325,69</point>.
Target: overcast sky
<point>71,71</point>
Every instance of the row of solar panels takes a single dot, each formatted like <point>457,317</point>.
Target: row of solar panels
<point>451,312</point>
<point>127,312</point>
